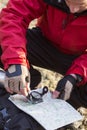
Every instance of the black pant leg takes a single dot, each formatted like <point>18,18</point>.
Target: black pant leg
<point>35,77</point>
<point>14,118</point>
<point>43,54</point>
<point>78,97</point>
<point>1,65</point>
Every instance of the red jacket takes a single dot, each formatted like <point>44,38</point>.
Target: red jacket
<point>66,31</point>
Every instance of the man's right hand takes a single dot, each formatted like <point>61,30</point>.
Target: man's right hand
<point>66,85</point>
<point>17,79</point>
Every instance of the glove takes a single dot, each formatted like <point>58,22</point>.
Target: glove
<point>65,86</point>
<point>17,79</point>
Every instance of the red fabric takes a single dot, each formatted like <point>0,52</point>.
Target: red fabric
<point>14,21</point>
<point>67,32</point>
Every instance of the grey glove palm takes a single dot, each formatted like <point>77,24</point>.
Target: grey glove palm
<point>17,79</point>
<point>65,86</point>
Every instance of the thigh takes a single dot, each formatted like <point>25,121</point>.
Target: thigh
<point>12,118</point>
<point>42,53</point>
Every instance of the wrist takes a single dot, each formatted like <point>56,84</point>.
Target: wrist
<point>77,77</point>
<point>14,70</point>
<point>74,76</point>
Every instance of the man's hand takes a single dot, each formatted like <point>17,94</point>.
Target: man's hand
<point>65,86</point>
<point>17,79</point>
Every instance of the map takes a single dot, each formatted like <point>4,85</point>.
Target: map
<point>51,113</point>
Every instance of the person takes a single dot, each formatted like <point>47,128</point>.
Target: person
<point>58,43</point>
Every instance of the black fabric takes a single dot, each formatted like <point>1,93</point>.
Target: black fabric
<point>58,4</point>
<point>1,121</point>
<point>62,83</point>
<point>78,97</point>
<point>17,120</point>
<point>42,53</point>
<point>1,65</point>
<point>61,4</point>
<point>35,77</point>
<point>66,90</point>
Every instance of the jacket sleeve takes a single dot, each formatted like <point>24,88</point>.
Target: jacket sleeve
<point>79,66</point>
<point>14,21</point>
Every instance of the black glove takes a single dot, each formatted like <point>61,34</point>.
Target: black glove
<point>66,85</point>
<point>17,79</point>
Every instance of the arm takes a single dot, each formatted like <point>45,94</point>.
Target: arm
<point>14,21</point>
<point>76,75</point>
<point>79,66</point>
